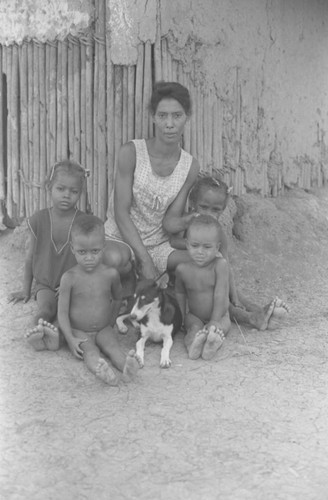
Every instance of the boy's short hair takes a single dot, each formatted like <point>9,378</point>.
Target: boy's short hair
<point>86,224</point>
<point>205,220</point>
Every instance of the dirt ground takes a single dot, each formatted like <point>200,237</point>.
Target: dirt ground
<point>249,425</point>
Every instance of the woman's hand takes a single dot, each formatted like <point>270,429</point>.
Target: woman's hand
<point>15,297</point>
<point>75,347</point>
<point>148,270</point>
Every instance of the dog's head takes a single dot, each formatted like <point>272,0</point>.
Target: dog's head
<point>145,297</point>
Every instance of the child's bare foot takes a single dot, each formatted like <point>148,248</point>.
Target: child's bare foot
<point>213,343</point>
<point>44,336</point>
<point>279,314</point>
<point>131,366</point>
<point>195,350</point>
<point>105,373</point>
<point>261,320</point>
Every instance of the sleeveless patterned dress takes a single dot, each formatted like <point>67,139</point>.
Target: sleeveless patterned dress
<point>151,197</point>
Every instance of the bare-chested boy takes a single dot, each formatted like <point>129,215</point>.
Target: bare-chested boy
<point>202,289</point>
<point>85,306</point>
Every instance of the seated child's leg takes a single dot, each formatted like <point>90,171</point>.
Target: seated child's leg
<point>94,362</point>
<point>248,304</point>
<point>257,319</point>
<point>195,337</point>
<point>215,337</point>
<point>108,343</point>
<point>45,336</point>
<point>47,303</point>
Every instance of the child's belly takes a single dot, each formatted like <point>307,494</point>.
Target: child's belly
<point>91,319</point>
<point>201,305</point>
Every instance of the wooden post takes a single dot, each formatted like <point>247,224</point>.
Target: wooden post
<point>139,92</point>
<point>2,165</point>
<point>131,101</point>
<point>118,86</point>
<point>43,124</point>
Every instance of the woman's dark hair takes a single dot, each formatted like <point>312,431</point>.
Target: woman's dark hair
<point>170,90</point>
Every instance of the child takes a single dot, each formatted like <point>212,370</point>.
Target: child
<point>203,285</point>
<point>86,294</point>
<point>210,196</point>
<point>48,253</point>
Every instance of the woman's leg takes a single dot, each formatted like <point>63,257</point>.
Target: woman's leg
<point>175,258</point>
<point>118,255</point>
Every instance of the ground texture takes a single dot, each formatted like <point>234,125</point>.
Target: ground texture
<point>249,425</point>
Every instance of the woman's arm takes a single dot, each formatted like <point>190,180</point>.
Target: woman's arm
<point>122,206</point>
<point>175,219</point>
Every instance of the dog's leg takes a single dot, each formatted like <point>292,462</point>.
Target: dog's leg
<point>140,350</point>
<point>165,353</point>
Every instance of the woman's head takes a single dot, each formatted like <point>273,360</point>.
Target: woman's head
<point>209,196</point>
<point>170,90</point>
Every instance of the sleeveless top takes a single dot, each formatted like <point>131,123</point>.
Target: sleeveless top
<point>49,263</point>
<point>151,196</point>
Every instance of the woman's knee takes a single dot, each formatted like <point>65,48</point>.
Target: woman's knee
<point>117,256</point>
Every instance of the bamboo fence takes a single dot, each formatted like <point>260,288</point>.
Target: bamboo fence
<point>66,99</point>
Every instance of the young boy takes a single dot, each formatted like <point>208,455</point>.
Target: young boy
<point>85,306</point>
<point>202,287</point>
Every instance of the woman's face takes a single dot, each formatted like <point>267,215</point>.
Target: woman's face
<point>169,119</point>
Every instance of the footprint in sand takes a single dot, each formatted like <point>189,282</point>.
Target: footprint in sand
<point>44,336</point>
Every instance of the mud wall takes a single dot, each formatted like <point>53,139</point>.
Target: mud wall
<point>280,49</point>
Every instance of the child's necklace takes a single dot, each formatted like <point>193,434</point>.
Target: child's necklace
<point>68,235</point>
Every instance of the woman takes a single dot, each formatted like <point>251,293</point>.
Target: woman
<point>153,178</point>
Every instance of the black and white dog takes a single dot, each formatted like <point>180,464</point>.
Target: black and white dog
<point>156,313</point>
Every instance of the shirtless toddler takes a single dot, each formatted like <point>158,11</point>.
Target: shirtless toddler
<point>202,289</point>
<point>87,294</point>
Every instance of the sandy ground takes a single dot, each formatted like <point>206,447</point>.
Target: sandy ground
<point>250,424</point>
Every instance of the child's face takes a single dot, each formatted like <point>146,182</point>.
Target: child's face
<point>88,249</point>
<point>203,244</point>
<point>211,202</point>
<point>65,191</point>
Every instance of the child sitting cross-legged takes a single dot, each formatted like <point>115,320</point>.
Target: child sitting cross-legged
<point>202,289</point>
<point>87,296</point>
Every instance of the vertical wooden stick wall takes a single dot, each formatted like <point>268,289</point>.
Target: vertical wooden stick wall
<point>66,99</point>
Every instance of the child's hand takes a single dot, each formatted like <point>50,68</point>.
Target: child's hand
<point>75,347</point>
<point>15,297</point>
